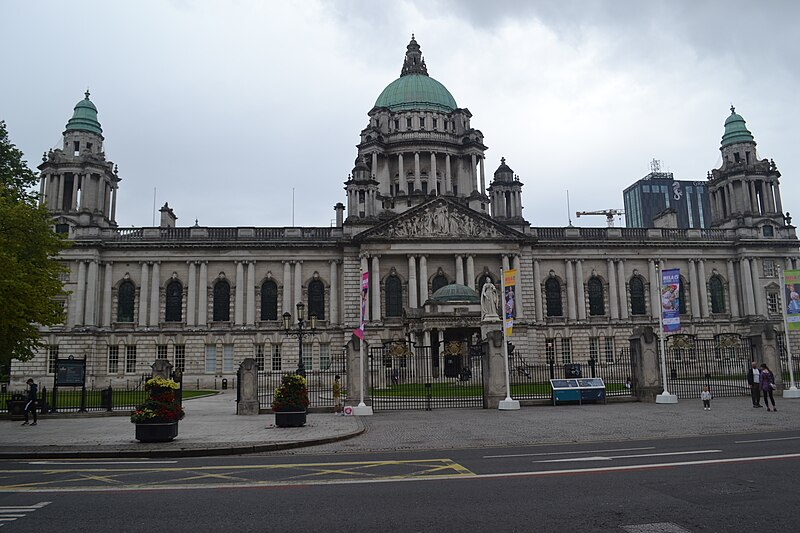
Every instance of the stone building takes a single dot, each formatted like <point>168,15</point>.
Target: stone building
<point>419,216</point>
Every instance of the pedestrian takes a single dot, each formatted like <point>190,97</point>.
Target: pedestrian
<point>337,395</point>
<point>753,377</point>
<point>767,381</point>
<point>706,397</point>
<point>30,401</point>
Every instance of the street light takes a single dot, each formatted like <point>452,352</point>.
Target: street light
<point>299,332</point>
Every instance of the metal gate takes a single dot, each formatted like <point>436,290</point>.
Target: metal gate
<point>720,364</point>
<point>406,376</point>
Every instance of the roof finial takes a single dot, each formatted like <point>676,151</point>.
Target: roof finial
<point>87,93</point>
<point>502,160</point>
<point>733,109</point>
<point>412,36</point>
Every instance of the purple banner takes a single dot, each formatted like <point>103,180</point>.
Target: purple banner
<point>670,301</point>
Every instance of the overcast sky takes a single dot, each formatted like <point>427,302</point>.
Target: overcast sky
<point>224,108</point>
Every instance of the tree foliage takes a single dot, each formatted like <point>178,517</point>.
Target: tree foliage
<point>29,272</point>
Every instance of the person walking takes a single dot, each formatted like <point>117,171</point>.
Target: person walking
<point>753,376</point>
<point>767,382</point>
<point>30,401</point>
<point>337,395</point>
<point>706,397</point>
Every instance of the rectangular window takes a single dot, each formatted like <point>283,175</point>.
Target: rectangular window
<point>308,356</point>
<point>773,306</point>
<point>769,268</point>
<point>566,351</point>
<point>408,123</point>
<point>609,351</point>
<point>277,365</point>
<point>397,124</point>
<point>180,357</point>
<point>550,349</point>
<point>324,356</point>
<point>260,357</point>
<point>594,348</point>
<point>130,359</point>
<point>52,355</point>
<point>161,351</point>
<point>435,123</point>
<point>113,359</point>
<point>211,359</point>
<point>227,357</point>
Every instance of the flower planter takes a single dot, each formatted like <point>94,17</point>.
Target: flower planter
<point>290,419</point>
<point>158,432</point>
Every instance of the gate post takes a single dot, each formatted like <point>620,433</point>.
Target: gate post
<point>646,379</point>
<point>162,369</point>
<point>764,342</point>
<point>352,348</point>
<point>247,388</point>
<point>493,365</point>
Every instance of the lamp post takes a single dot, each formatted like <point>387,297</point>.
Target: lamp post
<point>299,331</point>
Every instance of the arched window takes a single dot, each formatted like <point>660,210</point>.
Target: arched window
<point>316,299</point>
<point>173,309</point>
<point>222,301</point>
<point>125,300</point>
<point>269,300</point>
<point>394,296</point>
<point>597,306</point>
<point>438,282</point>
<point>552,293</point>
<point>638,306</point>
<point>717,294</point>
<point>681,297</point>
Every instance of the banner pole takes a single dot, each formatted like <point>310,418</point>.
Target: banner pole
<point>793,391</point>
<point>664,397</point>
<point>508,404</point>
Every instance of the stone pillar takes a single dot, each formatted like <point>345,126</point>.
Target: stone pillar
<point>732,297</point>
<point>702,288</point>
<point>375,285</point>
<point>518,311</point>
<point>334,296</point>
<point>143,294</point>
<point>448,179</point>
<point>693,288</point>
<point>80,294</point>
<point>778,203</point>
<point>155,289</point>
<point>412,282</point>
<point>747,284</point>
<point>494,378</point>
<point>287,287</point>
<point>537,290</point>
<point>374,169</point>
<point>612,289</point>
<point>91,295</point>
<point>423,281</point>
<point>655,283</point>
<point>202,293</point>
<point>73,205</point>
<point>417,173</point>
<point>646,379</point>
<point>401,174</point>
<point>432,179</point>
<point>43,187</point>
<point>483,177</point>
<point>763,339</point>
<point>251,293</point>
<point>570,289</point>
<point>298,286</point>
<point>473,173</point>
<point>580,290</point>
<point>459,270</point>
<point>504,263</point>
<point>191,295</point>
<point>623,291</point>
<point>60,198</point>
<point>238,309</point>
<point>108,277</point>
<point>354,371</point>
<point>470,281</point>
<point>114,204</point>
<point>758,293</point>
<point>248,388</point>
<point>162,368</point>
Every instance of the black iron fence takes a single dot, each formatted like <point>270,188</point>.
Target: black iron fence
<point>719,364</point>
<point>319,382</point>
<point>785,369</point>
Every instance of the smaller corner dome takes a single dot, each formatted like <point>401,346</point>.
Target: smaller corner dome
<point>84,117</point>
<point>736,130</point>
<point>504,172</point>
<point>456,293</point>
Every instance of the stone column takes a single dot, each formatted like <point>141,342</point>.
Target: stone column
<point>758,293</point>
<point>238,305</point>
<point>694,291</point>
<point>623,291</point>
<point>473,170</point>
<point>537,290</point>
<point>191,295</point>
<point>90,318</point>
<point>448,180</point>
<point>504,263</point>
<point>251,293</point>
<point>101,194</point>
<point>375,284</point>
<point>60,198</point>
<point>401,174</point>
<point>702,288</point>
<point>73,205</point>
<point>417,173</point>
<point>655,283</point>
<point>298,286</point>
<point>470,281</point>
<point>423,281</point>
<point>580,290</point>
<point>412,282</point>
<point>114,203</point>
<point>612,289</point>
<point>107,283</point>
<point>287,287</point>
<point>143,294</point>
<point>732,296</point>
<point>518,312</point>
<point>374,169</point>
<point>248,388</point>
<point>778,203</point>
<point>334,296</point>
<point>483,176</point>
<point>459,270</point>
<point>432,185</point>
<point>155,289</point>
<point>747,287</point>
<point>202,294</point>
<point>753,196</point>
<point>80,294</point>
<point>43,188</point>
<point>570,289</point>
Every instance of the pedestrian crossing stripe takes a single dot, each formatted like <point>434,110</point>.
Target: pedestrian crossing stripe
<point>10,513</point>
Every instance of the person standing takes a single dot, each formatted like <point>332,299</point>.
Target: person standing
<point>753,377</point>
<point>706,397</point>
<point>337,395</point>
<point>767,382</point>
<point>30,401</point>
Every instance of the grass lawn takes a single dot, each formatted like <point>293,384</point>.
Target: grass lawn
<point>458,390</point>
<point>121,399</point>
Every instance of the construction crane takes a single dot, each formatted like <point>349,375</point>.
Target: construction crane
<point>609,213</point>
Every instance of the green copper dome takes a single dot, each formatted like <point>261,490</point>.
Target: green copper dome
<point>735,130</point>
<point>414,89</point>
<point>85,117</point>
<point>456,293</point>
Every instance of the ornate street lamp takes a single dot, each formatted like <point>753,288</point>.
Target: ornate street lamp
<point>299,331</point>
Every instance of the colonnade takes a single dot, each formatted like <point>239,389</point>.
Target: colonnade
<point>747,195</point>
<point>99,195</point>
<point>405,160</point>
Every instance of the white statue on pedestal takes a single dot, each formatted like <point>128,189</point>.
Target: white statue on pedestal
<point>489,300</point>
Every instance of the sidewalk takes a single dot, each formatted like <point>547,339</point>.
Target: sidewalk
<point>212,428</point>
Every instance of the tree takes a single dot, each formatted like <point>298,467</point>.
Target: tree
<point>30,287</point>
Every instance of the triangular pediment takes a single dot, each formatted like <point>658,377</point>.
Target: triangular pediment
<point>441,219</point>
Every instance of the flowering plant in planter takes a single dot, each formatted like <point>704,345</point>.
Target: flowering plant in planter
<point>162,406</point>
<point>292,395</point>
